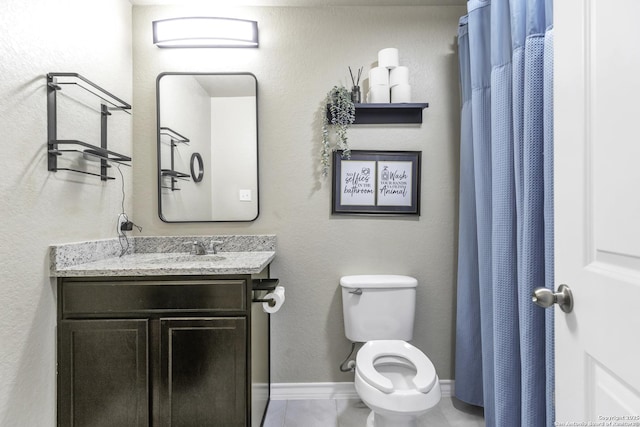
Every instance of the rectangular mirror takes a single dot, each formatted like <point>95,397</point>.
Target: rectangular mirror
<point>207,147</point>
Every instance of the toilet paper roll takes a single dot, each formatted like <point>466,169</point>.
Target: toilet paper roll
<point>379,94</point>
<point>401,93</point>
<point>278,296</point>
<point>379,76</point>
<point>399,76</point>
<point>388,58</point>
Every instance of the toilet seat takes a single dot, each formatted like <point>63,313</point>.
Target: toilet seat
<point>424,379</point>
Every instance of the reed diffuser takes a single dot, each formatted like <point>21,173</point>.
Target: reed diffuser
<point>355,91</point>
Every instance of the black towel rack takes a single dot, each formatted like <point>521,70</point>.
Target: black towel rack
<point>58,147</point>
<point>175,138</point>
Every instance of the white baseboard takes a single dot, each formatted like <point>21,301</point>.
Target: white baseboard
<point>346,390</point>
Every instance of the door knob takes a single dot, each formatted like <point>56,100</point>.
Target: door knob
<point>545,297</point>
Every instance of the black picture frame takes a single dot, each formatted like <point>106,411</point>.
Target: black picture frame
<point>376,182</point>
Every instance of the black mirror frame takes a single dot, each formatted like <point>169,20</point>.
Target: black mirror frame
<point>159,166</point>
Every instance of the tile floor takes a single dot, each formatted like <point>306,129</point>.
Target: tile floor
<point>450,412</point>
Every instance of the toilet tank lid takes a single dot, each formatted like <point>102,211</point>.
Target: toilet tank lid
<point>378,281</point>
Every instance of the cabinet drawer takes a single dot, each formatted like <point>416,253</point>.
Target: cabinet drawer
<point>87,298</point>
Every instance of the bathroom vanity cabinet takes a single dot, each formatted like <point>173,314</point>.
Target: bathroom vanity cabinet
<point>162,351</point>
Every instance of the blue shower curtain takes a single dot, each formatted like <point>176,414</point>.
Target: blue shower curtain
<point>504,343</point>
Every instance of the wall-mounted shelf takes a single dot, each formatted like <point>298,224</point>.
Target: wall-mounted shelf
<point>174,175</point>
<point>405,113</point>
<point>389,113</point>
<point>175,138</point>
<point>108,102</point>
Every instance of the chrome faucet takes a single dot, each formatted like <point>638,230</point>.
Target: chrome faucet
<point>197,248</point>
<point>214,246</point>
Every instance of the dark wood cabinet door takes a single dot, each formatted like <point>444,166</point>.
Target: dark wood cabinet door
<point>203,372</point>
<point>103,373</point>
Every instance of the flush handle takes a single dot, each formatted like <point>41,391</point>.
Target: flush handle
<point>356,291</point>
<point>545,297</point>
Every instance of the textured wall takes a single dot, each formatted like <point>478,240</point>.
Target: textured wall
<point>40,207</point>
<point>303,53</point>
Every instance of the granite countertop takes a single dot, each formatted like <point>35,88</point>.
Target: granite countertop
<point>162,256</point>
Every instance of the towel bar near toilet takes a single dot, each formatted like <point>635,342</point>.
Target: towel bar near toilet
<point>265,285</point>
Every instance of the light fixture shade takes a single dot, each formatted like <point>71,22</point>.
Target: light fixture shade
<point>205,32</point>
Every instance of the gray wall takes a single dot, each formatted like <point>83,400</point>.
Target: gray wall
<point>303,53</point>
<point>39,207</point>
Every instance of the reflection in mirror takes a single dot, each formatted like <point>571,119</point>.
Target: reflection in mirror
<point>197,167</point>
<point>207,147</point>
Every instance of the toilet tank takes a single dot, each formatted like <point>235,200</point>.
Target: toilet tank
<point>378,307</point>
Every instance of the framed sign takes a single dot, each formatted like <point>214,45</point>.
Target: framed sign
<point>376,182</point>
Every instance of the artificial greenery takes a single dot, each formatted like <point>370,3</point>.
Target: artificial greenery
<point>342,113</point>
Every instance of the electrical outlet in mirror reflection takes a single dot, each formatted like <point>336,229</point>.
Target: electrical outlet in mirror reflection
<point>244,195</point>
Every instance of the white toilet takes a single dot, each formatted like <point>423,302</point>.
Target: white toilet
<point>393,378</point>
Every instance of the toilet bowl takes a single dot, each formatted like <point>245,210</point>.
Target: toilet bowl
<point>393,378</point>
<point>397,381</point>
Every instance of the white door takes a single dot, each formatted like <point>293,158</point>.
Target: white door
<point>597,202</point>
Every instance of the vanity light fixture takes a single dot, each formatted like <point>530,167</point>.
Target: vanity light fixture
<point>205,32</point>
